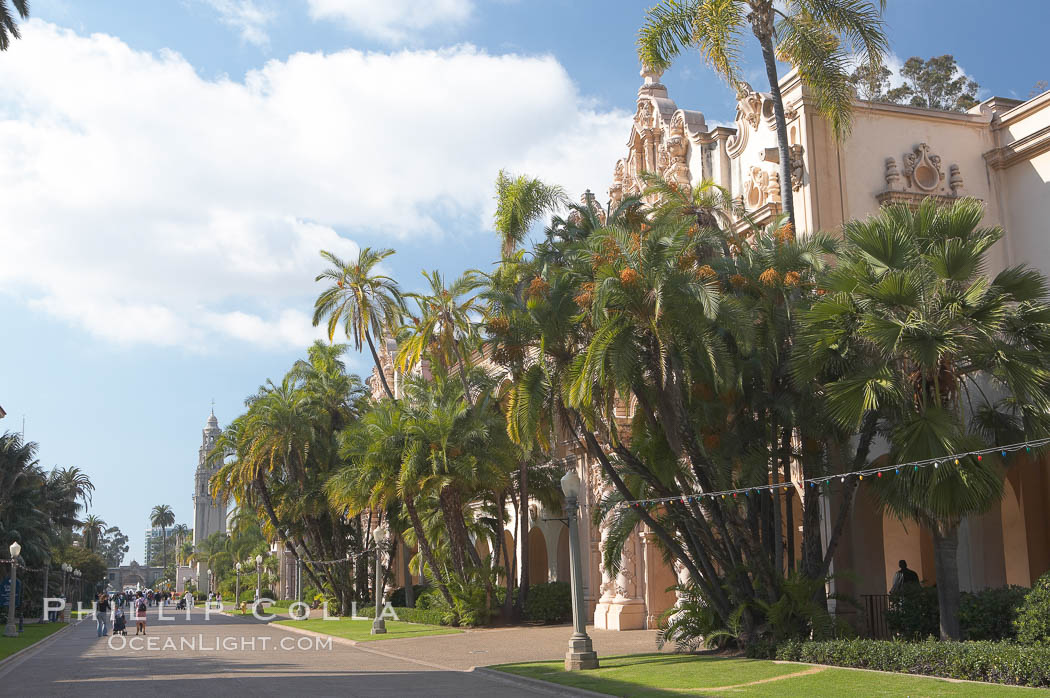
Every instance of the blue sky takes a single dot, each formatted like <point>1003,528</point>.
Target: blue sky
<point>170,169</point>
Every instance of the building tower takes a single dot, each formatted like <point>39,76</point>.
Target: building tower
<point>209,515</point>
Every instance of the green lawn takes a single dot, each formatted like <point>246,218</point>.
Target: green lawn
<point>663,675</point>
<point>31,634</point>
<point>360,630</point>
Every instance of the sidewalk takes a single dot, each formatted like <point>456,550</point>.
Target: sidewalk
<point>479,648</point>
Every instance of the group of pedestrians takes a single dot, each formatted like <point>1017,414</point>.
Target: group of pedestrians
<point>109,608</point>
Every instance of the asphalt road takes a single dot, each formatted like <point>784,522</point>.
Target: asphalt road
<point>224,656</point>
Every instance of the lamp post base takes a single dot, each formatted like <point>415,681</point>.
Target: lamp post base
<point>379,626</point>
<point>581,654</point>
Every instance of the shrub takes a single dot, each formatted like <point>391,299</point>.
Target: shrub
<point>549,603</point>
<point>913,613</point>
<point>397,599</point>
<point>989,614</point>
<point>1033,618</point>
<point>997,662</point>
<point>410,615</point>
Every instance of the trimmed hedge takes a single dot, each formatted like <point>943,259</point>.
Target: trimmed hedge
<point>1033,617</point>
<point>426,616</point>
<point>996,662</point>
<point>549,603</point>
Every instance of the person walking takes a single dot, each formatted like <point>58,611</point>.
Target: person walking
<point>904,579</point>
<point>102,609</point>
<point>140,614</point>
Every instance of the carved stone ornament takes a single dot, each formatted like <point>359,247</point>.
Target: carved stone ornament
<point>644,117</point>
<point>756,188</point>
<point>893,176</point>
<point>797,166</point>
<point>923,169</point>
<point>773,188</point>
<point>955,180</point>
<point>921,176</point>
<point>749,105</point>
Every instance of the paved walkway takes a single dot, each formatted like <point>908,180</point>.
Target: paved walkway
<point>243,657</point>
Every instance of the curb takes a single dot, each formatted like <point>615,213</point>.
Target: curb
<point>537,685</point>
<point>11,661</point>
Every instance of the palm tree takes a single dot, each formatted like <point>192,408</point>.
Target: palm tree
<point>520,202</point>
<point>375,477</point>
<point>93,529</point>
<point>447,322</point>
<point>818,37</point>
<point>8,28</point>
<point>935,340</point>
<point>180,531</point>
<point>162,516</point>
<point>365,302</point>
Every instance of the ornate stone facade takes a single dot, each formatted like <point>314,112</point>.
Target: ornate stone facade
<point>209,515</point>
<point>998,152</point>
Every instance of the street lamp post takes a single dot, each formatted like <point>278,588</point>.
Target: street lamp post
<point>381,534</point>
<point>66,569</point>
<point>258,577</point>
<point>581,654</point>
<point>47,573</point>
<point>237,597</point>
<point>11,630</point>
<point>208,592</point>
<point>79,585</point>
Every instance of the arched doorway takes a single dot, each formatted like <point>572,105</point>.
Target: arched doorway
<point>564,573</point>
<point>539,569</point>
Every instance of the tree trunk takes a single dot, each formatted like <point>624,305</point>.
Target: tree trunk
<point>264,497</point>
<point>379,367</point>
<point>424,547</point>
<point>410,591</point>
<point>523,537</point>
<point>946,560</point>
<point>770,61</point>
<point>789,512</point>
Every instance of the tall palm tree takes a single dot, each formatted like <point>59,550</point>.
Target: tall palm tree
<point>936,338</point>
<point>375,477</point>
<point>819,38</point>
<point>180,531</point>
<point>8,28</point>
<point>520,201</point>
<point>93,529</point>
<point>446,325</point>
<point>162,516</point>
<point>364,301</point>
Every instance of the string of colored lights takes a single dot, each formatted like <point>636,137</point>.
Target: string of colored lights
<point>772,487</point>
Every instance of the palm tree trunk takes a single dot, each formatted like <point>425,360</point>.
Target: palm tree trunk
<point>523,536</point>
<point>770,61</point>
<point>789,512</point>
<point>410,591</point>
<point>946,560</point>
<point>379,367</point>
<point>264,497</point>
<point>428,552</point>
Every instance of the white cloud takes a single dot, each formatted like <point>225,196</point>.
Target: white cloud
<point>147,204</point>
<point>247,17</point>
<point>392,21</point>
